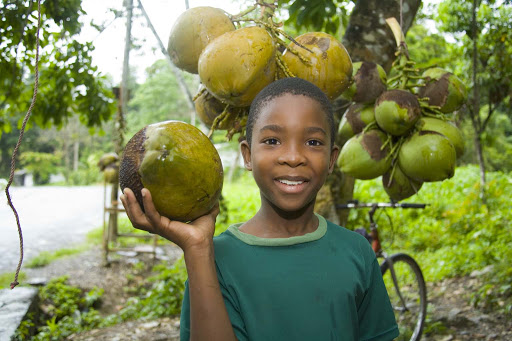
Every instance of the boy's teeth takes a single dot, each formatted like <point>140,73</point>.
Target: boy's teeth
<point>291,183</point>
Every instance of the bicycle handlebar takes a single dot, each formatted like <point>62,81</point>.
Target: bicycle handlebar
<point>357,204</point>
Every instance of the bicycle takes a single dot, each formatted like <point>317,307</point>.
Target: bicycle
<point>404,281</point>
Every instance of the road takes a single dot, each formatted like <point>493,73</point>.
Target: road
<point>51,217</point>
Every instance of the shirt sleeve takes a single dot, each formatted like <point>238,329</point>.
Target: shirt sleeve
<point>376,317</point>
<point>233,312</point>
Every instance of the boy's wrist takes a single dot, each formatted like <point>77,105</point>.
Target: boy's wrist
<point>200,250</point>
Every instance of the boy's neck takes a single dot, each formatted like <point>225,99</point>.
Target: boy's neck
<point>271,222</point>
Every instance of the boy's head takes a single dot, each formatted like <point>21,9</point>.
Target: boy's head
<point>292,86</point>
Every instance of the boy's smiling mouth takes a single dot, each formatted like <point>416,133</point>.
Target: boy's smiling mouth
<point>291,183</point>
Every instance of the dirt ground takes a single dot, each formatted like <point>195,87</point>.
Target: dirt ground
<point>450,315</point>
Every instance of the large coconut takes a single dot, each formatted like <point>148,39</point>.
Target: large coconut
<point>363,156</point>
<point>329,66</point>
<point>354,120</point>
<point>396,111</point>
<point>398,186</point>
<point>443,89</point>
<point>446,128</point>
<point>427,156</point>
<point>193,31</point>
<point>237,65</point>
<point>178,164</point>
<point>369,82</point>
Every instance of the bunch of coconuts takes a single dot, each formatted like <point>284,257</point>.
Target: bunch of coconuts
<point>176,161</point>
<point>401,128</point>
<point>235,63</point>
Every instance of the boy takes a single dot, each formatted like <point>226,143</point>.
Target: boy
<point>287,273</point>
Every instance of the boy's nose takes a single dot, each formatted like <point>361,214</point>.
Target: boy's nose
<point>292,156</point>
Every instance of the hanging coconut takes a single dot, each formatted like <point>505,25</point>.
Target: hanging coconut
<point>427,156</point>
<point>237,65</point>
<point>363,156</point>
<point>192,32</point>
<point>178,164</point>
<point>446,128</point>
<point>329,66</point>
<point>208,108</point>
<point>354,120</point>
<point>396,111</point>
<point>398,186</point>
<point>369,82</point>
<point>443,89</point>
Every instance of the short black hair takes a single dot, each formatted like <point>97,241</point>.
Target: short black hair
<point>293,86</point>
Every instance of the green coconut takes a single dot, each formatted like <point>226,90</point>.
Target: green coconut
<point>193,31</point>
<point>329,65</point>
<point>446,128</point>
<point>354,120</point>
<point>178,164</point>
<point>443,89</point>
<point>427,156</point>
<point>363,157</point>
<point>396,111</point>
<point>398,186</point>
<point>369,83</point>
<point>237,65</point>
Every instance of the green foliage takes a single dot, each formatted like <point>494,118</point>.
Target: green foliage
<point>330,16</point>
<point>69,83</point>
<point>67,310</point>
<point>456,234</point>
<point>41,165</point>
<point>163,298</point>
<point>46,257</point>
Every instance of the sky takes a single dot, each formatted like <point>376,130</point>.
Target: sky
<point>109,44</point>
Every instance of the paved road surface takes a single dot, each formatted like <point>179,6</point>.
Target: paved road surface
<point>51,218</point>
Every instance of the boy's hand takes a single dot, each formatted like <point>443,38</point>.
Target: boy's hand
<point>196,234</point>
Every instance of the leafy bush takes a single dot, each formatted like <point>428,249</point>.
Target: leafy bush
<point>66,310</point>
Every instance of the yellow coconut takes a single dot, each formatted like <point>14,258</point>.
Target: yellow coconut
<point>193,31</point>
<point>329,66</point>
<point>237,65</point>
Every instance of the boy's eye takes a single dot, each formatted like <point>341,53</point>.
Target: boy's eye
<point>271,141</point>
<point>314,143</point>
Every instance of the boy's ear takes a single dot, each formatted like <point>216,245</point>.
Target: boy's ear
<point>246,154</point>
<point>335,151</point>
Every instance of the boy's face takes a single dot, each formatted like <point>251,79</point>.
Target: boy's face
<point>290,153</point>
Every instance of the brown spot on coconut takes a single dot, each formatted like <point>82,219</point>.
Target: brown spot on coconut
<point>178,164</point>
<point>443,89</point>
<point>354,120</point>
<point>329,65</point>
<point>396,111</point>
<point>363,156</point>
<point>369,83</point>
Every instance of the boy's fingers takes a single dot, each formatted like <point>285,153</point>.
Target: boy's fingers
<point>134,211</point>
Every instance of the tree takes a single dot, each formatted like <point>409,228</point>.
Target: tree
<point>482,30</point>
<point>69,84</point>
<point>159,98</point>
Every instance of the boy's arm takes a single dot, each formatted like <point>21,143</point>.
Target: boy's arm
<point>209,319</point>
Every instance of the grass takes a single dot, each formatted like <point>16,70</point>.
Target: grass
<point>7,278</point>
<point>46,257</point>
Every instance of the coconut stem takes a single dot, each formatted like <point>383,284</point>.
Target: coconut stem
<point>199,93</point>
<point>217,120</point>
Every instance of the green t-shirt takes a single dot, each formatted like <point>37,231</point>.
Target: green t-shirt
<point>325,285</point>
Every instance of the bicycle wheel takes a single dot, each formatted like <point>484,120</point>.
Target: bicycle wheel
<point>408,294</point>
